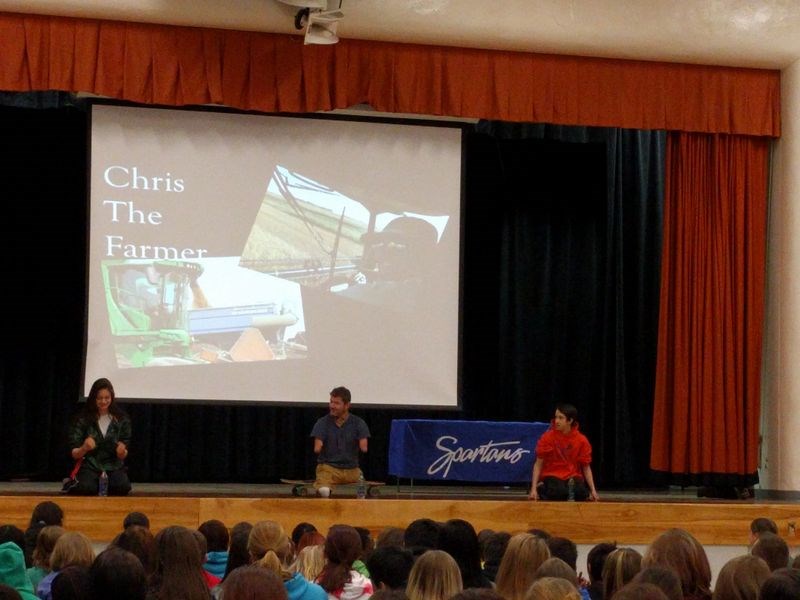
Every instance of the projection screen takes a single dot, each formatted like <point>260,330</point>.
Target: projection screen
<point>251,258</point>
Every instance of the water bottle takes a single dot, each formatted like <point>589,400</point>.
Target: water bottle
<point>361,488</point>
<point>571,489</point>
<point>102,486</point>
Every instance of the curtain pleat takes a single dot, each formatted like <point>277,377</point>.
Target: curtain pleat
<point>170,65</point>
<point>707,397</point>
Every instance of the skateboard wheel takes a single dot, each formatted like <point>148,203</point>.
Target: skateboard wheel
<point>374,492</point>
<point>299,490</point>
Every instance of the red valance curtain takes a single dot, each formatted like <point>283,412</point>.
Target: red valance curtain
<point>161,64</point>
<point>706,413</point>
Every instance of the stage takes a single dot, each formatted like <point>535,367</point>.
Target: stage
<point>629,517</point>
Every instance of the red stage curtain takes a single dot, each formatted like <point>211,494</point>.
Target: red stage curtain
<point>706,413</point>
<point>161,64</point>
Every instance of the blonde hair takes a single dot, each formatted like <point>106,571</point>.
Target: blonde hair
<point>72,548</point>
<point>435,576</point>
<point>310,562</point>
<point>45,542</point>
<point>621,566</point>
<point>525,553</point>
<point>552,588</point>
<point>270,548</point>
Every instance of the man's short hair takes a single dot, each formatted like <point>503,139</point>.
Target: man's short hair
<point>136,518</point>
<point>773,549</point>
<point>568,410</point>
<point>341,392</point>
<point>390,566</point>
<point>564,549</point>
<point>763,524</point>
<point>216,534</point>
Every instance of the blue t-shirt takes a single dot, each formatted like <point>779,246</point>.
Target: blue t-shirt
<point>340,444</point>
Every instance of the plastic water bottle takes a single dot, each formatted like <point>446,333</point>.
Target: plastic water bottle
<point>361,488</point>
<point>571,489</point>
<point>102,486</point>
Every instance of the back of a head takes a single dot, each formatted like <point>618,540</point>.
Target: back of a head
<point>72,548</point>
<point>310,538</point>
<point>524,555</point>
<point>741,578</point>
<point>178,564</point>
<point>140,542</point>
<point>640,591</point>
<point>45,542</point>
<point>621,567</point>
<point>136,518</point>
<point>552,588</point>
<point>565,549</point>
<point>783,584</point>
<point>597,558</point>
<point>367,543</point>
<point>390,536</point>
<point>237,553</point>
<point>253,583</point>
<point>662,577</point>
<point>763,525</point>
<point>540,533</point>
<point>389,567</point>
<point>555,567</point>
<point>459,540</point>
<point>47,513</point>
<point>773,549</point>
<point>72,583</point>
<point>270,547</point>
<point>12,533</point>
<point>434,576</point>
<point>681,552</point>
<point>216,534</point>
<point>421,535</point>
<point>495,547</point>
<point>342,547</point>
<point>300,529</point>
<point>119,573</point>
<point>310,562</point>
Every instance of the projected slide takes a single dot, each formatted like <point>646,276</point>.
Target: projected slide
<point>267,259</point>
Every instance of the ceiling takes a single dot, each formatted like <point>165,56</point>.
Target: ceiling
<point>747,33</point>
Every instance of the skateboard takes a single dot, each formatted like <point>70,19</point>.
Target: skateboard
<point>305,487</point>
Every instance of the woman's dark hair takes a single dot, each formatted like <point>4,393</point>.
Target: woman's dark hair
<point>91,400</point>
<point>71,583</point>
<point>118,573</point>
<point>422,535</point>
<point>140,542</point>
<point>597,558</point>
<point>178,568</point>
<point>299,530</point>
<point>253,583</point>
<point>782,584</point>
<point>47,513</point>
<point>216,534</point>
<point>238,554</point>
<point>458,538</point>
<point>342,547</point>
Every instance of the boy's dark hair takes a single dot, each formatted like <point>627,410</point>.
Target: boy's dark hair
<point>597,558</point>
<point>136,518</point>
<point>390,566</point>
<point>773,549</point>
<point>568,410</point>
<point>495,547</point>
<point>762,525</point>
<point>564,549</point>
<point>421,535</point>
<point>216,534</point>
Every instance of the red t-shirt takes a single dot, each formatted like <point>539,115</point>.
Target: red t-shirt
<point>563,455</point>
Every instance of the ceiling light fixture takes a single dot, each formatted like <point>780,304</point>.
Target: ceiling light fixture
<point>318,18</point>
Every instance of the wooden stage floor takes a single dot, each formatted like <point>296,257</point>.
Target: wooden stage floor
<point>629,517</point>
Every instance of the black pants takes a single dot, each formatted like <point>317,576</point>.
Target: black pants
<point>552,488</point>
<point>89,480</point>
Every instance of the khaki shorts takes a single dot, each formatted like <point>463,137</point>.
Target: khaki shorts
<point>328,476</point>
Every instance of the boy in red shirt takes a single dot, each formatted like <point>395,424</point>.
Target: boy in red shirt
<point>563,453</point>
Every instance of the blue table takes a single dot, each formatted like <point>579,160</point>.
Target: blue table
<point>463,450</point>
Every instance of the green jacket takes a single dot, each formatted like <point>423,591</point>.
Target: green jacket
<point>12,570</point>
<point>104,456</point>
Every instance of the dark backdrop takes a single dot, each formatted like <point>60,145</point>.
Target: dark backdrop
<point>562,239</point>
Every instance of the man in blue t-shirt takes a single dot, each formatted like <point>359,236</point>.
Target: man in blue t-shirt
<point>338,438</point>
